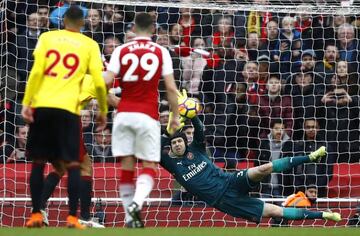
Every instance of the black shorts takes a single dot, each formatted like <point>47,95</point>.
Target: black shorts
<point>55,134</point>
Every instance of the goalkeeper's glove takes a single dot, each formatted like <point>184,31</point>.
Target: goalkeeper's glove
<point>169,131</point>
<point>182,96</point>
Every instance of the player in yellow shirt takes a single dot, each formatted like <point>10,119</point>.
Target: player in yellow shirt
<point>87,94</point>
<point>51,106</point>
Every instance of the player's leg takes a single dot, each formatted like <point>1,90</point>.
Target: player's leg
<point>147,149</point>
<point>271,210</point>
<point>127,186</point>
<point>73,187</point>
<point>68,139</point>
<point>145,182</point>
<point>40,144</point>
<point>122,143</point>
<point>36,186</point>
<point>51,181</point>
<point>256,174</point>
<point>86,173</point>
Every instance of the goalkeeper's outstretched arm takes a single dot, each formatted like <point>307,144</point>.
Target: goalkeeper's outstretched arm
<point>199,137</point>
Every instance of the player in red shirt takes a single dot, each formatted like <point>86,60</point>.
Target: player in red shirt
<point>139,65</point>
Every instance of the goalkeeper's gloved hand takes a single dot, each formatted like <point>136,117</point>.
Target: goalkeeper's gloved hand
<point>182,96</point>
<point>169,130</point>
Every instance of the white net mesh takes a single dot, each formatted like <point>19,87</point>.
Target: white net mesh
<point>276,78</point>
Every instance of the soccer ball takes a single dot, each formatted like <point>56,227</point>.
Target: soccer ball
<point>189,108</point>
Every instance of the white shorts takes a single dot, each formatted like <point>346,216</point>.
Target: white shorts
<point>136,134</point>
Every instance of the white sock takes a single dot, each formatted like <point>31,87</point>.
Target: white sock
<point>127,194</point>
<point>144,185</point>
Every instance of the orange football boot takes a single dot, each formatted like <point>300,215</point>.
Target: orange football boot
<point>35,221</point>
<point>73,222</point>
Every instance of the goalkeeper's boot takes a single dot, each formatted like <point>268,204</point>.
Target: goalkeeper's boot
<point>73,222</point>
<point>35,221</point>
<point>318,154</point>
<point>45,217</point>
<point>134,211</point>
<point>334,216</point>
<point>91,224</point>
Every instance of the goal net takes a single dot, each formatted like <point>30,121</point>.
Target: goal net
<point>275,79</point>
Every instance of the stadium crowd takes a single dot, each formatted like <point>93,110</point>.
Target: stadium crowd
<point>271,85</point>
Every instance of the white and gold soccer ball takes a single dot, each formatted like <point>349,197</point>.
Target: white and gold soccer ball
<point>189,108</point>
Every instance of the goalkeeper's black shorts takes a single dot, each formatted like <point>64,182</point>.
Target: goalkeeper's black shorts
<point>236,201</point>
<point>54,135</point>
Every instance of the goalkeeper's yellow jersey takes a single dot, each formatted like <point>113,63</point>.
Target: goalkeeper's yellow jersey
<point>62,59</point>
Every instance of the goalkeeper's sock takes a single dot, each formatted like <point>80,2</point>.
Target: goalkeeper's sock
<point>49,186</point>
<point>73,189</point>
<point>144,185</point>
<point>299,214</point>
<point>85,197</point>
<point>127,190</point>
<point>36,185</point>
<point>287,163</point>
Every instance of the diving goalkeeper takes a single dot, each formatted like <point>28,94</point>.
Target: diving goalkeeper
<point>229,192</point>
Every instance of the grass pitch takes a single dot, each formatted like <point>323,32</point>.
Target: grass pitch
<point>183,232</point>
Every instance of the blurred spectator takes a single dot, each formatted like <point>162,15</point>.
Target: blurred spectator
<point>57,15</point>
<point>189,25</point>
<point>271,148</point>
<point>313,173</point>
<point>306,97</point>
<point>274,106</point>
<point>288,46</point>
<point>175,35</point>
<point>18,153</point>
<point>163,40</point>
<point>224,33</point>
<point>342,122</point>
<point>193,67</point>
<point>87,126</point>
<point>268,45</point>
<point>347,77</point>
<point>348,45</point>
<point>251,22</point>
<point>113,20</point>
<point>302,199</point>
<point>308,65</point>
<point>110,44</point>
<point>253,89</point>
<point>252,46</point>
<point>326,68</point>
<point>44,22</point>
<point>93,26</point>
<point>264,68</point>
<point>100,150</point>
<point>189,132</point>
<point>311,32</point>
<point>164,119</point>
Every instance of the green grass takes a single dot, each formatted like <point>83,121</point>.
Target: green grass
<point>183,232</point>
